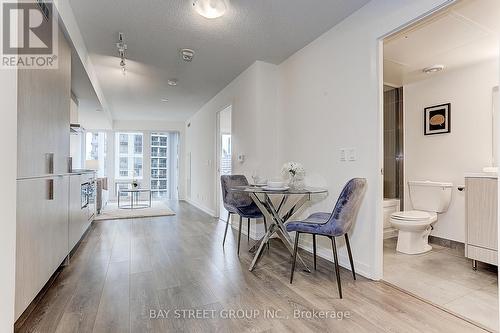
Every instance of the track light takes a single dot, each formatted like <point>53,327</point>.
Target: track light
<point>122,47</point>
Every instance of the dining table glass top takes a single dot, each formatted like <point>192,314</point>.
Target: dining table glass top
<point>266,190</point>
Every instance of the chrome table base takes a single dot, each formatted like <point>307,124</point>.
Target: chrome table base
<point>277,225</point>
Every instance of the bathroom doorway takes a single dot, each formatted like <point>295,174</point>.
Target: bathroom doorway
<point>439,91</point>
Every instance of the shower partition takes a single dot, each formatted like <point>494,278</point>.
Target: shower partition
<point>393,144</point>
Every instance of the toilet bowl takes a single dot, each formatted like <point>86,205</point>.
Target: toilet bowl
<point>414,226</point>
<point>414,229</point>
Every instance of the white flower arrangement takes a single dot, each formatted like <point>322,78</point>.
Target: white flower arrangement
<point>293,169</point>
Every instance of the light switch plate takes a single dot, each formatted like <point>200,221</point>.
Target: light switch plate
<point>343,154</point>
<point>352,154</point>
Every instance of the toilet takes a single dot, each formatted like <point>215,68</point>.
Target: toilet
<point>414,226</point>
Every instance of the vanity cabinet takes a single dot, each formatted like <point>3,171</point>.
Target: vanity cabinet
<point>481,199</point>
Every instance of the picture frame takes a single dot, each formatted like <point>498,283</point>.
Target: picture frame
<point>437,119</point>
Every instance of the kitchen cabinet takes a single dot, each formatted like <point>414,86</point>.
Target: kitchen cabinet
<point>481,219</point>
<point>41,234</point>
<point>43,117</point>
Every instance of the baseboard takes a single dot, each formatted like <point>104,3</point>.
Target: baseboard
<point>200,207</point>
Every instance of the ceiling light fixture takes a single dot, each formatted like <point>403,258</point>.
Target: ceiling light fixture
<point>210,8</point>
<point>164,99</point>
<point>172,82</point>
<point>433,69</point>
<point>122,47</point>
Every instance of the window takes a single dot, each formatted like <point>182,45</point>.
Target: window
<point>129,158</point>
<point>123,144</point>
<point>96,149</point>
<point>138,144</point>
<point>159,163</point>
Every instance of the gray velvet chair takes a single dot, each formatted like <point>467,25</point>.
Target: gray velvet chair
<point>335,224</point>
<point>239,203</point>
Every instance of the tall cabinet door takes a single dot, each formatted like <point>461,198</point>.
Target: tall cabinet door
<point>43,117</point>
<point>42,235</point>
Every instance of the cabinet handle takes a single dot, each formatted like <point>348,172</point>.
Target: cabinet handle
<point>50,162</point>
<point>50,186</point>
<point>70,164</point>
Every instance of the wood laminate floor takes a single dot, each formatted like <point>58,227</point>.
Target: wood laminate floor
<point>126,270</point>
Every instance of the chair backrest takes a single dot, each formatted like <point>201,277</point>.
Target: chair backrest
<point>231,199</point>
<point>347,207</point>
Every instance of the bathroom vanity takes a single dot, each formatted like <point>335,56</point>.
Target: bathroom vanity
<point>481,202</point>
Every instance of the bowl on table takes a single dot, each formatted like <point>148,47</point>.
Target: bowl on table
<point>275,185</point>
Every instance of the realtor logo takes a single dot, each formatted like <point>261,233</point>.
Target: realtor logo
<point>29,34</point>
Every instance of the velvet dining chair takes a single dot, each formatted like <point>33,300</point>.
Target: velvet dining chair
<point>239,203</point>
<point>335,224</point>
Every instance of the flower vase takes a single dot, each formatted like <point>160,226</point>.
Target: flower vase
<point>296,182</point>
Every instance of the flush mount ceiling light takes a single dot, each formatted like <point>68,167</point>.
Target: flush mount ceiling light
<point>172,82</point>
<point>210,8</point>
<point>433,69</point>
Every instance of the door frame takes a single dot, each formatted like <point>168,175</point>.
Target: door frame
<point>379,230</point>
<point>218,141</point>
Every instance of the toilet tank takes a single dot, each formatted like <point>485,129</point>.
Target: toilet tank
<point>430,196</point>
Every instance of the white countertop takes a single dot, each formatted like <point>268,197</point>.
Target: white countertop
<point>481,175</point>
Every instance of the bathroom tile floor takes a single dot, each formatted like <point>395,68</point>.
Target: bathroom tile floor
<point>445,278</point>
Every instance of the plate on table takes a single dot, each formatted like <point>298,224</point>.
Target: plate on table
<point>283,188</point>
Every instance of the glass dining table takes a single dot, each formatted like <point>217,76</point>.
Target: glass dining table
<point>277,214</point>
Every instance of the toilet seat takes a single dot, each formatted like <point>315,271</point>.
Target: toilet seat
<point>414,216</point>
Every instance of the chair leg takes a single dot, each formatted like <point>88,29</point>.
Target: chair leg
<point>225,231</point>
<point>248,230</point>
<point>350,256</point>
<point>314,250</point>
<point>337,269</point>
<point>295,248</point>
<point>239,235</point>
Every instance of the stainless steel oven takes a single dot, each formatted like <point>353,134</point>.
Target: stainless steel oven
<point>84,195</point>
<point>88,192</point>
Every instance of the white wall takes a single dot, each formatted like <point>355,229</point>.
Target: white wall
<point>468,148</point>
<point>94,120</point>
<point>252,96</point>
<point>330,99</point>
<point>8,170</point>
<point>324,97</point>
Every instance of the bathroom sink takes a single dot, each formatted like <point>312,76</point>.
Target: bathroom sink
<point>491,170</point>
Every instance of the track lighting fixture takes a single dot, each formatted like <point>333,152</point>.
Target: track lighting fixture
<point>122,47</point>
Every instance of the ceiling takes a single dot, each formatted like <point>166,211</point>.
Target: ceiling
<point>463,34</point>
<point>267,30</point>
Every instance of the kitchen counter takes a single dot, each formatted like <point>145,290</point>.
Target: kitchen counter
<point>73,173</point>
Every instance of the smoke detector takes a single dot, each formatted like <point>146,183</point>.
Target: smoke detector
<point>172,82</point>
<point>433,69</point>
<point>187,55</point>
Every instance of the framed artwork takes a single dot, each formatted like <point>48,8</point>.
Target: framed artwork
<point>437,119</point>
